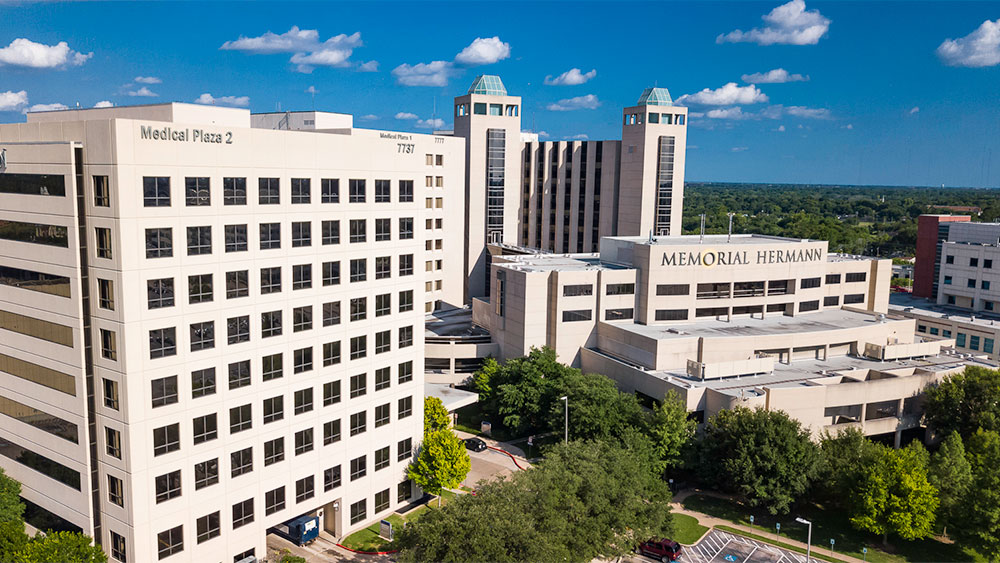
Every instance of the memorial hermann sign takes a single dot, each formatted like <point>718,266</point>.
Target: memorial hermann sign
<point>741,257</point>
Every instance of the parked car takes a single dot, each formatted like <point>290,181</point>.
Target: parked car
<point>664,550</point>
<point>475,444</point>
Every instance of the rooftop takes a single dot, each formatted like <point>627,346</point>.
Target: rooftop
<point>908,303</point>
<point>488,84</point>
<point>655,97</point>
<point>715,240</point>
<point>561,262</point>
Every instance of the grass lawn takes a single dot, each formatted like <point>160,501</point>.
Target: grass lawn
<point>831,524</point>
<point>368,538</point>
<point>687,530</point>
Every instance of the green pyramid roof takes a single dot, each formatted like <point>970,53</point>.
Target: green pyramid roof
<point>655,97</point>
<point>489,84</point>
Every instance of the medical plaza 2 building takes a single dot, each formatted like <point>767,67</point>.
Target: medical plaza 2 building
<point>211,322</point>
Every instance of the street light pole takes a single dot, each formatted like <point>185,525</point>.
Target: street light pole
<point>565,400</point>
<point>809,537</point>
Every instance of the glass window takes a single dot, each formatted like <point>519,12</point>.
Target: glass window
<point>405,264</point>
<point>383,302</point>
<point>270,324</point>
<point>383,267</point>
<point>234,191</point>
<point>358,423</point>
<point>331,478</point>
<point>170,542</point>
<point>199,240</point>
<point>159,243</point>
<point>381,419</point>
<point>238,329</point>
<point>237,284</point>
<point>383,191</point>
<point>331,232</point>
<point>359,510</point>
<point>331,432</point>
<point>241,461</point>
<point>274,409</point>
<point>356,191</point>
<point>405,191</point>
<point>205,428</point>
<point>270,280</point>
<point>405,300</point>
<point>383,229</point>
<point>242,513</point>
<point>269,191</point>
<point>236,238</point>
<point>358,230</point>
<point>164,391</point>
<point>202,382</point>
<point>330,190</point>
<point>202,336</point>
<point>359,347</point>
<point>303,441</point>
<point>102,194</point>
<point>405,407</point>
<point>301,190</point>
<point>270,236</point>
<point>331,393</point>
<point>200,288</point>
<point>209,527</point>
<point>106,294</point>
<point>274,500</point>
<point>156,191</point>
<point>274,451</point>
<point>109,347</point>
<point>303,360</point>
<point>168,486</point>
<point>166,439</point>
<point>240,419</point>
<point>162,342</point>
<point>272,366</point>
<point>206,473</point>
<point>383,341</point>
<point>103,237</point>
<point>301,234</point>
<point>239,374</point>
<point>301,276</point>
<point>113,442</point>
<point>359,308</point>
<point>405,372</point>
<point>197,192</point>
<point>359,467</point>
<point>331,273</point>
<point>405,228</point>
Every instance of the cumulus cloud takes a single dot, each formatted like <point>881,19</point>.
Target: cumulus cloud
<point>147,80</point>
<point>729,113</point>
<point>977,49</point>
<point>47,107</point>
<point>914,109</point>
<point>28,54</point>
<point>776,76</point>
<point>483,51</point>
<point>808,113</point>
<point>369,66</point>
<point>312,90</point>
<point>13,101</point>
<point>307,50</point>
<point>739,149</point>
<point>580,137</point>
<point>369,117</point>
<point>437,123</point>
<point>589,101</point>
<point>781,129</point>
<point>208,99</point>
<point>104,104</point>
<point>571,77</point>
<point>729,94</point>
<point>406,115</point>
<point>788,24</point>
<point>769,112</point>
<point>143,92</point>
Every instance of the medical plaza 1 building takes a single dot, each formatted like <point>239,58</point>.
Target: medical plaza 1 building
<point>211,322</point>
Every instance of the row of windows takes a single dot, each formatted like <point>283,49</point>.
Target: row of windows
<point>970,283</point>
<point>574,290</point>
<point>156,191</point>
<point>973,262</point>
<point>34,281</point>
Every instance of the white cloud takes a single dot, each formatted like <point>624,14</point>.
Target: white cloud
<point>589,101</point>
<point>729,113</point>
<point>208,99</point>
<point>696,114</point>
<point>781,128</point>
<point>312,90</point>
<point>369,117</point>
<point>12,101</point>
<point>543,134</point>
<point>808,113</point>
<point>429,123</point>
<point>580,137</point>
<point>571,77</point>
<point>406,115</point>
<point>776,76</point>
<point>914,109</point>
<point>769,112</point>
<point>143,93</point>
<point>26,53</point>
<point>104,104</point>
<point>849,126</point>
<point>304,44</point>
<point>483,51</point>
<point>435,73</point>
<point>47,107</point>
<point>147,80</point>
<point>370,66</point>
<point>788,24</point>
<point>977,49</point>
<point>739,149</point>
<point>726,95</point>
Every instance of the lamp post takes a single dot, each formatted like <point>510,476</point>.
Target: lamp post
<point>809,537</point>
<point>565,400</point>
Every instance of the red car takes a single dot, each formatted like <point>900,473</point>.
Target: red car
<point>664,550</point>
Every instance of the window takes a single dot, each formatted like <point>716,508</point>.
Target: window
<point>356,192</point>
<point>987,263</point>
<point>383,378</point>
<point>947,280</point>
<point>329,190</point>
<point>383,267</point>
<point>807,283</point>
<point>304,489</point>
<point>270,236</point>
<point>809,306</point>
<point>621,289</point>
<point>270,324</point>
<point>406,264</point>
<point>113,441</point>
<point>35,233</point>
<point>406,301</point>
<point>170,542</point>
<point>303,400</point>
<point>382,418</point>
<point>301,234</point>
<point>270,280</point>
<point>200,288</point>
<point>405,336</point>
<point>985,284</point>
<point>197,192</point>
<point>168,486</point>
<point>111,394</point>
<point>202,382</point>
<point>935,330</point>
<point>234,191</point>
<point>405,372</point>
<point>242,513</point>
<point>577,315</point>
<point>359,423</point>
<point>359,269</point>
<point>578,289</point>
<point>949,259</point>
<point>166,439</point>
<point>205,428</point>
<point>359,347</point>
<point>269,191</point>
<point>331,478</point>
<point>382,500</point>
<point>331,432</point>
<point>832,278</point>
<point>239,374</point>
<point>302,318</point>
<point>404,491</point>
<point>331,232</point>
<point>973,262</point>
<point>405,191</point>
<point>950,299</point>
<point>240,419</point>
<point>383,191</point>
<point>241,461</point>
<point>358,230</point>
<point>359,468</point>
<point>159,243</point>
<point>236,238</point>
<point>383,229</point>
<point>921,328</point>
<point>303,360</point>
<point>238,329</point>
<point>162,342</point>
<point>103,237</point>
<point>405,228</point>
<point>331,273</point>
<point>250,553</point>
<point>102,195</point>
<point>618,314</point>
<point>331,313</point>
<point>106,293</point>
<point>302,276</point>
<point>831,301</point>
<point>404,449</point>
<point>331,393</point>
<point>208,527</point>
<point>301,190</point>
<point>116,492</point>
<point>988,345</point>
<point>856,277</point>
<point>383,341</point>
<point>237,284</point>
<point>164,391</point>
<point>274,451</point>
<point>303,441</point>
<point>973,342</point>
<point>109,347</point>
<point>206,473</point>
<point>359,510</point>
<point>274,501</point>
<point>854,298</point>
<point>202,336</point>
<point>383,304</point>
<point>118,550</point>
<point>155,191</point>
<point>960,340</point>
<point>970,283</point>
<point>405,407</point>
<point>199,240</point>
<point>359,385</point>
<point>274,409</point>
<point>272,366</point>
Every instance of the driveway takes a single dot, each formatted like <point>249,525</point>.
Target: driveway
<point>488,464</point>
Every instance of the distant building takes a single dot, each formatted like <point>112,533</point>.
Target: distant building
<point>957,209</point>
<point>932,230</point>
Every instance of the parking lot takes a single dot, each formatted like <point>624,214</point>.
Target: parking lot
<point>721,547</point>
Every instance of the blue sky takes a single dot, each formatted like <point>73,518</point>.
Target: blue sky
<point>901,93</point>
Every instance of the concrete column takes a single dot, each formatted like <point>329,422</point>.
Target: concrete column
<point>898,438</point>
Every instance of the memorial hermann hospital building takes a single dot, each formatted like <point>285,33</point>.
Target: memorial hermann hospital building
<point>211,321</point>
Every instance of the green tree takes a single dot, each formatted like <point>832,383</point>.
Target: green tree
<point>978,523</point>
<point>525,390</point>
<point>844,457</point>
<point>442,462</point>
<point>670,430</point>
<point>436,417</point>
<point>65,547</point>
<point>895,497</point>
<point>11,507</point>
<point>12,540</point>
<point>764,456</point>
<point>951,474</point>
<point>597,409</point>
<point>965,402</point>
<point>482,380</point>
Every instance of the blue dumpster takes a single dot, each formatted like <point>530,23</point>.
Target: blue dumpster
<point>302,530</point>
